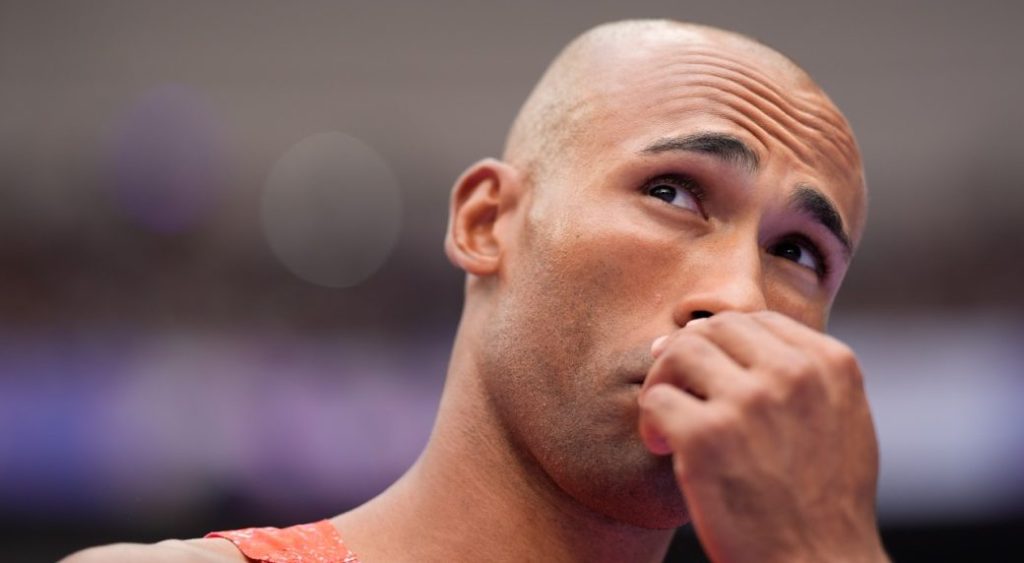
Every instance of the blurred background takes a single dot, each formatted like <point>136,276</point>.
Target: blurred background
<point>223,296</point>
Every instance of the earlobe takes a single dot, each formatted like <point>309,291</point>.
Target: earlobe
<point>484,193</point>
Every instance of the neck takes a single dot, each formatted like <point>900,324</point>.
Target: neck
<point>472,496</point>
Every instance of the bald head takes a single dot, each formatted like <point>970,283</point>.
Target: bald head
<point>606,59</point>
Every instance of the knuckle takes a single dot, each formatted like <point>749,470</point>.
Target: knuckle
<point>755,397</point>
<point>841,355</point>
<point>801,380</point>
<point>853,375</point>
<point>721,424</point>
<point>805,381</point>
<point>843,360</point>
<point>799,368</point>
<point>806,371</point>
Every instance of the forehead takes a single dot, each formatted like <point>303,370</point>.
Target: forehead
<point>665,89</point>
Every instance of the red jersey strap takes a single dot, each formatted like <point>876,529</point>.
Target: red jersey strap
<point>318,542</point>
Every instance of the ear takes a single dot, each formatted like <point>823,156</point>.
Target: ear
<point>485,193</point>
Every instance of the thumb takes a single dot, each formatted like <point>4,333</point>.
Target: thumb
<point>655,407</point>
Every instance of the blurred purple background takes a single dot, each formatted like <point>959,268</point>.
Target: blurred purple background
<point>224,302</point>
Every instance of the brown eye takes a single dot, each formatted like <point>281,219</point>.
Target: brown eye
<point>803,253</point>
<point>663,192</point>
<point>672,194</point>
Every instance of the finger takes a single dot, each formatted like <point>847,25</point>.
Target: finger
<point>694,364</point>
<point>748,342</point>
<point>837,358</point>
<point>817,344</point>
<point>667,416</point>
<point>789,329</point>
<point>658,346</point>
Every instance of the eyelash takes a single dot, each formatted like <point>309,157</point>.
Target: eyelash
<point>679,181</point>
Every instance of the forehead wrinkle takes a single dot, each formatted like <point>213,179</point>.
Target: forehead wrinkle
<point>783,112</point>
<point>805,110</point>
<point>673,104</point>
<point>762,129</point>
<point>805,106</point>
<point>798,137</point>
<point>802,95</point>
<point>727,92</point>
<point>807,91</point>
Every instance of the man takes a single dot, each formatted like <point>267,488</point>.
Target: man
<point>648,269</point>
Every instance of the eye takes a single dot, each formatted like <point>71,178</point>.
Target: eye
<point>677,191</point>
<point>803,252</point>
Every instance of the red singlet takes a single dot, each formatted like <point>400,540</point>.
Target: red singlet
<point>318,542</point>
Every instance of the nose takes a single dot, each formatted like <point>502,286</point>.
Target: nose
<point>734,282</point>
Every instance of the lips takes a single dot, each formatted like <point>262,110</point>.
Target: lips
<point>631,367</point>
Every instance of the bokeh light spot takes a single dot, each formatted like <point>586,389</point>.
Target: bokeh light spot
<point>168,160</point>
<point>331,210</point>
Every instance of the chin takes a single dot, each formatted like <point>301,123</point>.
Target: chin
<point>662,512</point>
<point>657,515</point>
<point>644,494</point>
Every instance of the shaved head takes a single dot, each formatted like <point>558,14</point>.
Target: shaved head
<point>554,120</point>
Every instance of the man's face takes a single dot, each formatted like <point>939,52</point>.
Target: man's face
<point>700,181</point>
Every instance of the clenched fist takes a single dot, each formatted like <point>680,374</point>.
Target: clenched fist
<point>771,436</point>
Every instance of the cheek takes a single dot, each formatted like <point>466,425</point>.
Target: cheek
<point>606,273</point>
<point>785,299</point>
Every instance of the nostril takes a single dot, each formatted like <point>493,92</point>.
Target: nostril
<point>700,315</point>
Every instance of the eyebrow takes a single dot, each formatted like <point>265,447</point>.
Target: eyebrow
<point>805,199</point>
<point>809,200</point>
<point>720,145</point>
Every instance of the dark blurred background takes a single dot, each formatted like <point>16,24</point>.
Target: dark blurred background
<point>224,303</point>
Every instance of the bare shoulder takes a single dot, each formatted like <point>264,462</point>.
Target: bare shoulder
<point>210,550</point>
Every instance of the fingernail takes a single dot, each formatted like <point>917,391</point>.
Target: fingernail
<point>695,322</point>
<point>655,443</point>
<point>653,440</point>
<point>658,345</point>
